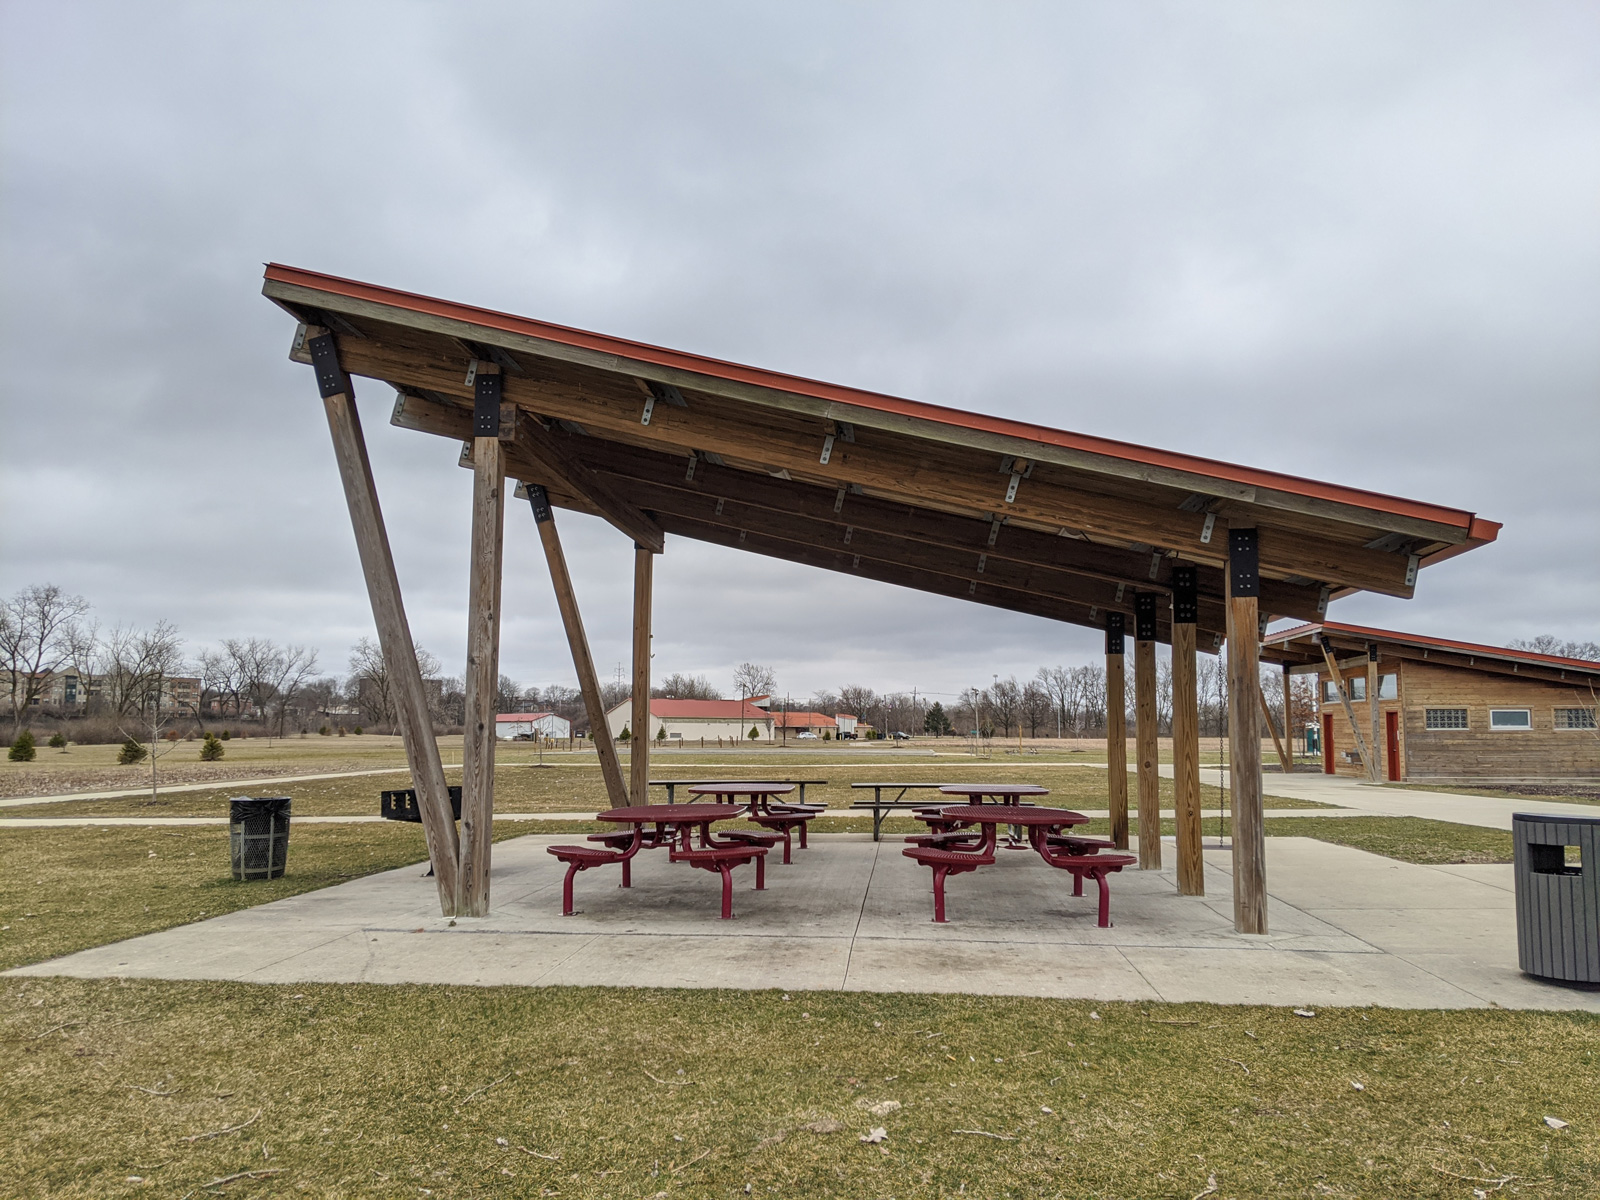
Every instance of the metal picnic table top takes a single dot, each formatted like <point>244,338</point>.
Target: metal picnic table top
<point>673,814</point>
<point>673,784</point>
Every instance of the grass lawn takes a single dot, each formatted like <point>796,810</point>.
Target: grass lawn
<point>577,787</point>
<point>1561,793</point>
<point>1409,839</point>
<point>116,1088</point>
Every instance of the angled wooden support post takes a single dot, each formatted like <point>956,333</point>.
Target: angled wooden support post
<point>1277,742</point>
<point>1186,732</point>
<point>1244,734</point>
<point>1147,744</point>
<point>1367,759</point>
<point>1288,718</point>
<point>1374,686</point>
<point>639,746</point>
<point>483,642</point>
<point>1117,730</point>
<point>388,613</point>
<point>582,660</point>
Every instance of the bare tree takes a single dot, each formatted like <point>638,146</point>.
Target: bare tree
<point>685,687</point>
<point>752,679</point>
<point>1549,643</point>
<point>371,687</point>
<point>1036,706</point>
<point>40,631</point>
<point>857,701</point>
<point>135,669</point>
<point>1005,699</point>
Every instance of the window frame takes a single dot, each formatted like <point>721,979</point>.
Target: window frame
<point>1466,719</point>
<point>1528,728</point>
<point>1594,719</point>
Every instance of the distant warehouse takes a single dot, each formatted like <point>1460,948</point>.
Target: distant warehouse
<point>525,725</point>
<point>1401,706</point>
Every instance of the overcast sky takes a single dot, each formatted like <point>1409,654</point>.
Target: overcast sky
<point>1357,242</point>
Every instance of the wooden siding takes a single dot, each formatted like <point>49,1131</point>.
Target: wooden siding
<point>1476,752</point>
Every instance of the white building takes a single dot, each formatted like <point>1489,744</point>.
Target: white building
<point>525,725</point>
<point>691,720</point>
<point>847,724</point>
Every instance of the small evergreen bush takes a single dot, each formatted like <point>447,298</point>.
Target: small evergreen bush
<point>22,749</point>
<point>132,752</point>
<point>211,748</point>
<point>324,731</point>
<point>357,731</point>
<point>58,741</point>
<point>754,734</point>
<point>624,735</point>
<point>225,735</point>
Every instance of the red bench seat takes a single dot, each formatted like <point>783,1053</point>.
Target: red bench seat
<point>785,823</point>
<point>581,858</point>
<point>945,862</point>
<point>1096,867</point>
<point>723,859</point>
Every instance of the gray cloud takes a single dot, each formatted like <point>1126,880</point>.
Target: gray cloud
<point>1355,242</point>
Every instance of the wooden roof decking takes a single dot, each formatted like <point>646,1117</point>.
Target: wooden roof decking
<point>1301,646</point>
<point>1018,516</point>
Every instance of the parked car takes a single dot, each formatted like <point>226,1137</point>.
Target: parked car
<point>808,736</point>
<point>901,735</point>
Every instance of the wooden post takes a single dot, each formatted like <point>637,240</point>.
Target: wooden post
<point>1375,770</point>
<point>1116,730</point>
<point>483,673</point>
<point>1186,733</point>
<point>639,746</point>
<point>389,614</point>
<point>1266,717</point>
<point>1244,687</point>
<point>1367,760</point>
<point>1288,717</point>
<point>1147,752</point>
<point>582,660</point>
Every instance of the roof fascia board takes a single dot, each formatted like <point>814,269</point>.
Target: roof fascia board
<point>826,409</point>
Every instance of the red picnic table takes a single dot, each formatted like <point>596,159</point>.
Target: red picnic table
<point>757,799</point>
<point>1080,856</point>
<point>671,826</point>
<point>1000,793</point>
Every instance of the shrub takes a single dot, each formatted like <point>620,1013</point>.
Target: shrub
<point>661,734</point>
<point>132,752</point>
<point>172,735</point>
<point>754,734</point>
<point>624,735</point>
<point>211,748</point>
<point>324,731</point>
<point>225,735</point>
<point>356,731</point>
<point>22,749</point>
<point>827,735</point>
<point>58,741</point>
<point>342,731</point>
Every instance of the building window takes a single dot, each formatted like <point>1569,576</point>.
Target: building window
<point>1388,687</point>
<point>1575,718</point>
<point>1355,688</point>
<point>1446,718</point>
<point>1510,718</point>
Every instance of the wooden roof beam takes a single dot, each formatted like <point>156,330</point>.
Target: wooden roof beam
<point>911,475</point>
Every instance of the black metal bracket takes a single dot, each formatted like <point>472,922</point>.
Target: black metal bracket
<point>486,405</point>
<point>1185,596</point>
<point>540,500</point>
<point>1144,616</point>
<point>331,379</point>
<point>1244,563</point>
<point>1116,626</point>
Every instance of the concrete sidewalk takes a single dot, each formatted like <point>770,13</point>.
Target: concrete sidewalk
<point>1348,928</point>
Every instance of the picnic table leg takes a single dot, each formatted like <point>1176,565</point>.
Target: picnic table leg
<point>802,793</point>
<point>1105,899</point>
<point>803,825</point>
<point>727,890</point>
<point>627,872</point>
<point>566,890</point>
<point>761,872</point>
<point>877,814</point>
<point>939,873</point>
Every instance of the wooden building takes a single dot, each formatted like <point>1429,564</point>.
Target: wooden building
<point>1445,712</point>
<point>1065,526</point>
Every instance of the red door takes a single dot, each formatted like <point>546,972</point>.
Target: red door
<point>1391,731</point>
<point>1327,743</point>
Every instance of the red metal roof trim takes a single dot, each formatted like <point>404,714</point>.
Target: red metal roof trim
<point>1479,530</point>
<point>1416,639</point>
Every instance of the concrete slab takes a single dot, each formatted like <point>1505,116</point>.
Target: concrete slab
<point>1346,928</point>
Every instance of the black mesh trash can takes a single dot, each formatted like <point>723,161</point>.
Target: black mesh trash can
<point>1558,900</point>
<point>258,828</point>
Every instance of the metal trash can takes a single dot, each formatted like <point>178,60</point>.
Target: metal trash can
<point>1558,902</point>
<point>400,804</point>
<point>258,830</point>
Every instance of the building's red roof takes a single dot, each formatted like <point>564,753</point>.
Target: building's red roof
<point>522,716</point>
<point>802,720</point>
<point>1417,639</point>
